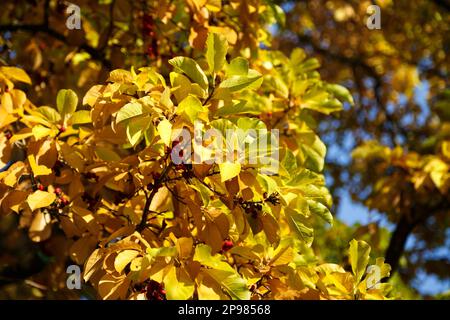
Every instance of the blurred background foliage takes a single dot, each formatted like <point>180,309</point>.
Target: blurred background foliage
<point>390,152</point>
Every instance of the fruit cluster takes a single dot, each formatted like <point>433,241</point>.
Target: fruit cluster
<point>154,291</point>
<point>251,207</point>
<point>61,201</point>
<point>227,245</point>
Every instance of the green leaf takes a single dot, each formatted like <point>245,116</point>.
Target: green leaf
<point>233,109</point>
<point>216,50</point>
<point>190,108</point>
<point>321,101</point>
<point>237,83</point>
<point>178,284</point>
<point>296,222</point>
<point>308,65</point>
<point>203,255</point>
<point>162,252</point>
<point>279,14</point>
<point>136,129</point>
<point>165,99</point>
<point>66,102</point>
<point>191,68</point>
<point>319,209</point>
<point>340,92</point>
<point>276,84</point>
<point>204,192</point>
<point>81,117</point>
<point>237,67</point>
<point>106,154</point>
<point>268,184</point>
<point>223,125</point>
<point>315,151</point>
<point>385,269</point>
<point>131,110</point>
<point>222,273</point>
<point>359,258</point>
<point>181,85</point>
<point>233,284</point>
<point>50,113</point>
<point>289,162</point>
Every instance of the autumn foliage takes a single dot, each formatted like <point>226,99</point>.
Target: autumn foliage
<point>90,146</point>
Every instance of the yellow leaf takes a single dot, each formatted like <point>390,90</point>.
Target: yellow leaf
<point>13,174</point>
<point>92,264</point>
<point>165,131</point>
<point>446,148</point>
<point>7,102</point>
<point>359,257</point>
<point>40,199</point>
<point>124,258</point>
<point>13,200</point>
<point>208,289</point>
<point>82,248</point>
<point>229,170</point>
<point>112,288</point>
<point>40,132</point>
<point>162,201</point>
<point>38,170</point>
<point>94,93</point>
<point>184,247</point>
<point>178,284</point>
<point>40,228</point>
<point>16,74</point>
<point>136,264</point>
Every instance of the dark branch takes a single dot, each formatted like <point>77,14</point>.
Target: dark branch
<point>158,183</point>
<point>398,241</point>
<point>445,4</point>
<point>110,25</point>
<point>43,28</point>
<point>419,215</point>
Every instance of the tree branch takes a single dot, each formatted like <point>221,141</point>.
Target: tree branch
<point>43,28</point>
<point>110,25</point>
<point>398,241</point>
<point>158,183</point>
<point>445,4</point>
<point>405,227</point>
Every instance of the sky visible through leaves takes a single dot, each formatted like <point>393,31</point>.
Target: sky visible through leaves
<point>353,213</point>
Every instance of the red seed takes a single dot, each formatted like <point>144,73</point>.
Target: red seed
<point>64,201</point>
<point>58,190</point>
<point>227,245</point>
<point>41,187</point>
